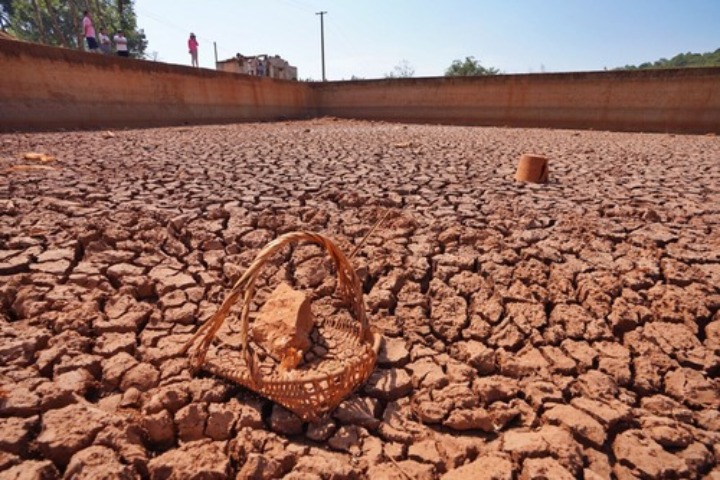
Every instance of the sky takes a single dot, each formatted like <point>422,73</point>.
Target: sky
<point>370,38</point>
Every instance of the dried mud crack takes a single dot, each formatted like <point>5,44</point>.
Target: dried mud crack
<point>567,330</point>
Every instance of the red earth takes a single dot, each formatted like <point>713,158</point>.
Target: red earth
<point>566,330</point>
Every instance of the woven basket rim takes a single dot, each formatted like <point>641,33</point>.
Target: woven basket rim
<point>243,290</point>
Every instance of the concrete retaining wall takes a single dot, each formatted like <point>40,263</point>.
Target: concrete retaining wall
<point>49,88</point>
<point>678,100</point>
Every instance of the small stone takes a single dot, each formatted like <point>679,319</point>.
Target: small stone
<point>581,424</point>
<point>284,421</point>
<point>142,376</point>
<point>540,392</point>
<point>632,448</point>
<point>496,387</point>
<point>32,469</point>
<point>283,325</point>
<point>389,384</point>
<point>249,413</point>
<point>326,464</point>
<point>19,401</point>
<point>190,421</point>
<point>322,430</point>
<point>348,438</point>
<point>98,462</point>
<point>160,428</point>
<point>608,412</point>
<point>692,387</point>
<point>411,469</point>
<point>428,374</point>
<point>393,353</point>
<point>470,419</point>
<point>16,433</point>
<point>110,344</point>
<point>668,432</point>
<point>360,411</point>
<point>202,459</point>
<point>544,469</point>
<point>475,354</point>
<point>114,368</point>
<point>76,381</point>
<point>425,451</point>
<point>486,467</point>
<point>63,435</point>
<point>171,397</point>
<point>8,460</point>
<point>220,422</point>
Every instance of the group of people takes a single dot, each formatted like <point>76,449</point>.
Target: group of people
<point>121,44</point>
<point>104,44</point>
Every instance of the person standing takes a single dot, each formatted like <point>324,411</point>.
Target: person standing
<point>193,48</point>
<point>89,32</point>
<point>105,45</point>
<point>121,44</point>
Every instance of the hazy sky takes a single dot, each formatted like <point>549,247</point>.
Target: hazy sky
<point>368,38</point>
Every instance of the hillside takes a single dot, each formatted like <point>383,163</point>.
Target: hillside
<point>682,60</point>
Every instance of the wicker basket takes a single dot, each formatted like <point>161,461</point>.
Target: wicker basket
<point>314,388</point>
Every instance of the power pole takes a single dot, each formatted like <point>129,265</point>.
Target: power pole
<point>322,41</point>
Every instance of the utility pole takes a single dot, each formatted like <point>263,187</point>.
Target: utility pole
<point>322,42</point>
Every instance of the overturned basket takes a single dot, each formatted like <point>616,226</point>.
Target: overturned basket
<point>315,387</point>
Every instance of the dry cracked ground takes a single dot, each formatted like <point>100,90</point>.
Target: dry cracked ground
<point>568,330</point>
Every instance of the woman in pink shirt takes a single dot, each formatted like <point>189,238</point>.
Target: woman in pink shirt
<point>89,32</point>
<point>193,46</point>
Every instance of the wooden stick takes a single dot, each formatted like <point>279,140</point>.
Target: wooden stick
<point>397,465</point>
<point>372,230</point>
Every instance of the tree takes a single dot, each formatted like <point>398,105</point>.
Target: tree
<point>59,22</point>
<point>681,60</point>
<point>401,70</point>
<point>469,68</point>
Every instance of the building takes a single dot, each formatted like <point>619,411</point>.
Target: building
<point>259,65</point>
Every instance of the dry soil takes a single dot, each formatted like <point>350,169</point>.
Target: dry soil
<point>565,330</point>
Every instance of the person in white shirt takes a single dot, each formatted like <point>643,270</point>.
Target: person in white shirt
<point>121,46</point>
<point>105,45</point>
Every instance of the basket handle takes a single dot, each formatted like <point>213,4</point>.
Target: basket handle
<point>348,285</point>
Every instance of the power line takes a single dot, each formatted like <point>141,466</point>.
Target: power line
<point>161,20</point>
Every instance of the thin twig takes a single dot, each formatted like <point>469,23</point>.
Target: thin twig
<point>397,465</point>
<point>367,235</point>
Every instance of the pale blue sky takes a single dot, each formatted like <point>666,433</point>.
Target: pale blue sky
<point>368,38</point>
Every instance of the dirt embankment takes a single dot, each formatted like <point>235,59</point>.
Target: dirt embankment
<point>567,330</point>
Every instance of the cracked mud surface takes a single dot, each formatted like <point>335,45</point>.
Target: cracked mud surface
<point>569,330</point>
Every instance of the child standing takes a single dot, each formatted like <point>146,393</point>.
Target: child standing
<point>121,46</point>
<point>105,45</point>
<point>193,48</point>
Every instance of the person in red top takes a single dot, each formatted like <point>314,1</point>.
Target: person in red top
<point>193,48</point>
<point>89,32</point>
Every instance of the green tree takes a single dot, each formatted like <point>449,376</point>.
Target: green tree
<point>59,22</point>
<point>469,68</point>
<point>681,60</point>
<point>401,70</point>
